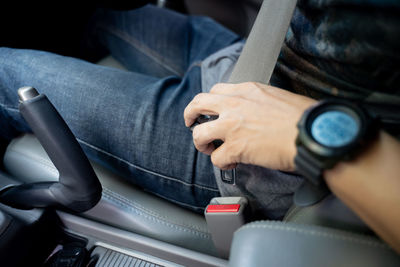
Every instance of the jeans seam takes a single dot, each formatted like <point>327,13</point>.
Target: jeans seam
<point>47,164</point>
<point>144,49</point>
<point>131,164</point>
<point>144,169</point>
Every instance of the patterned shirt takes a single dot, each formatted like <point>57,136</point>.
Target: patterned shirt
<point>349,49</point>
<point>334,48</point>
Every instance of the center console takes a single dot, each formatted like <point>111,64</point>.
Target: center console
<point>41,223</point>
<point>46,237</point>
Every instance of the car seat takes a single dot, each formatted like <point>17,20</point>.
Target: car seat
<point>297,241</point>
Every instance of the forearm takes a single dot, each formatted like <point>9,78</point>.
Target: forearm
<point>370,185</point>
<point>255,118</point>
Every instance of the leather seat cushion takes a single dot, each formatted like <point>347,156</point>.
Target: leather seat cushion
<point>122,205</point>
<point>269,243</point>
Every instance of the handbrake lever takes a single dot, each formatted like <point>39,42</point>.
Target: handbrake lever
<point>78,188</point>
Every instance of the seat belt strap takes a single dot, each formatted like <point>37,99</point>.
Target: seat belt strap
<point>260,53</point>
<point>257,62</point>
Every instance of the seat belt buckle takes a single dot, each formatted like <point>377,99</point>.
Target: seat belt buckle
<point>224,215</point>
<point>228,176</point>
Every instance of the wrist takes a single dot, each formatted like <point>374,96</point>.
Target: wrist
<point>332,132</point>
<point>291,150</point>
<point>291,154</point>
<point>345,172</point>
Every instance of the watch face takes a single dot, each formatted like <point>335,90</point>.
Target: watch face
<point>335,128</point>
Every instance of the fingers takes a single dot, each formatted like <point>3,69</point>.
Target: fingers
<point>223,158</point>
<point>205,133</point>
<point>213,103</point>
<point>202,104</point>
<point>230,167</point>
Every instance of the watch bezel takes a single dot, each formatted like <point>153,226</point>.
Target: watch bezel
<point>308,141</point>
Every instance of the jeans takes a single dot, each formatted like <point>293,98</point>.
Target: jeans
<point>128,121</point>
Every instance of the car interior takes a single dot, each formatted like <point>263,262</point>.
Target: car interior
<point>59,209</point>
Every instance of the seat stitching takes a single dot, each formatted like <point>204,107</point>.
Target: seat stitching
<point>159,221</point>
<point>153,218</point>
<point>178,202</point>
<point>43,162</point>
<point>290,213</point>
<point>336,236</point>
<point>307,211</point>
<point>143,169</point>
<point>117,197</point>
<point>299,212</point>
<point>192,227</point>
<point>300,215</point>
<point>150,212</point>
<point>139,206</point>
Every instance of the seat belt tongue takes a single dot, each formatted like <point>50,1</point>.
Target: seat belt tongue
<point>224,215</point>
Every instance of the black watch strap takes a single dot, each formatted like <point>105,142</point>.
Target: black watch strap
<point>329,132</point>
<point>313,188</point>
<point>309,166</point>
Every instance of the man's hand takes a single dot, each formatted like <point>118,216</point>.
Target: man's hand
<point>256,122</point>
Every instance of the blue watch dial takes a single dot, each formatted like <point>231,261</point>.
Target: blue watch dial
<point>334,128</point>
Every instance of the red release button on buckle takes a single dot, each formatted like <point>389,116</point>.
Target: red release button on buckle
<point>223,208</point>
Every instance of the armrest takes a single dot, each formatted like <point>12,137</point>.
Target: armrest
<point>269,243</point>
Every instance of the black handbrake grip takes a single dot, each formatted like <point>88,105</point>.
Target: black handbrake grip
<point>206,118</point>
<point>78,188</point>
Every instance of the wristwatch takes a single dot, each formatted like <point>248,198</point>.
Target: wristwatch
<point>329,132</point>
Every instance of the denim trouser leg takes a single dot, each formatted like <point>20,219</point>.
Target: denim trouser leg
<point>158,42</point>
<point>127,121</point>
